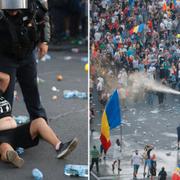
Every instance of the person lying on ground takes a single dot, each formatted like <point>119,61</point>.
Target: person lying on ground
<point>26,136</point>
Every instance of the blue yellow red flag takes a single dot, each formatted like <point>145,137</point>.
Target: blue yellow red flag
<point>111,118</point>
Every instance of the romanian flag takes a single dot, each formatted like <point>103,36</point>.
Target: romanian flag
<point>135,30</point>
<point>141,28</point>
<point>111,118</point>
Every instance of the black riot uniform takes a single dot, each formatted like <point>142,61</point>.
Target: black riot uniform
<point>19,36</point>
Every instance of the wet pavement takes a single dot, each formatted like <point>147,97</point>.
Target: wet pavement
<point>68,117</point>
<point>142,124</point>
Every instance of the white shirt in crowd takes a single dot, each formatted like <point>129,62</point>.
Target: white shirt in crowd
<point>100,79</point>
<point>117,154</point>
<point>97,36</point>
<point>136,159</point>
<point>99,86</point>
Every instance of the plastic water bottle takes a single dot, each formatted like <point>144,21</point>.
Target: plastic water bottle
<point>68,94</point>
<point>21,119</point>
<point>81,95</point>
<point>84,59</point>
<point>37,174</point>
<point>20,150</point>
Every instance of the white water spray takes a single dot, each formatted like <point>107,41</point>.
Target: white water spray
<point>141,82</point>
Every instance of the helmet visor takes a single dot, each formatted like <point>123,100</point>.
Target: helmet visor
<point>13,4</point>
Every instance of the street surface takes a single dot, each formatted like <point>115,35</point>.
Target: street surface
<point>68,117</point>
<point>142,124</point>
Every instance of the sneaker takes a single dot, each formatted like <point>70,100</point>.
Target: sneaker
<point>13,158</point>
<point>66,148</point>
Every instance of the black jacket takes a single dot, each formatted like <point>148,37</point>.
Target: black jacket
<point>20,34</point>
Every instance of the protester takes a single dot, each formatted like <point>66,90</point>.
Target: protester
<point>147,156</point>
<point>94,158</point>
<point>117,156</point>
<point>136,161</point>
<point>176,173</point>
<point>26,136</point>
<point>162,174</point>
<point>102,153</point>
<point>153,166</point>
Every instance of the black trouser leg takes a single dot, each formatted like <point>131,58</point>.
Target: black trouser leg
<point>9,93</point>
<point>97,165</point>
<point>27,77</point>
<point>92,164</point>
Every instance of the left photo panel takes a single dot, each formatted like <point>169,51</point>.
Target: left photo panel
<point>43,89</point>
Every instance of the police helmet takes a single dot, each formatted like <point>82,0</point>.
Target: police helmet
<point>13,4</point>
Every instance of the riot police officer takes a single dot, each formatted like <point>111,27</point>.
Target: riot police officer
<point>24,25</point>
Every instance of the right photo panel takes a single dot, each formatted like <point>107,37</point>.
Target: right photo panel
<point>134,89</point>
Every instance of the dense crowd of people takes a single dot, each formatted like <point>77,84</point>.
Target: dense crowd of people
<point>128,36</point>
<point>134,36</point>
<point>137,36</point>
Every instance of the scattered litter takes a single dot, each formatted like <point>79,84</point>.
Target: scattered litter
<point>126,123</point>
<point>168,110</point>
<point>146,140</point>
<point>20,150</point>
<point>132,109</point>
<point>176,100</point>
<point>67,58</point>
<point>75,50</point>
<point>59,77</point>
<point>141,119</point>
<point>84,59</point>
<point>21,119</point>
<point>54,97</point>
<point>144,133</point>
<point>54,89</point>
<point>37,174</point>
<point>40,81</point>
<point>173,135</point>
<point>74,94</point>
<point>140,142</point>
<point>155,111</point>
<point>157,140</point>
<point>76,170</point>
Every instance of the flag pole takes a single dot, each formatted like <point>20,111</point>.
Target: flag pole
<point>121,136</point>
<point>120,128</point>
